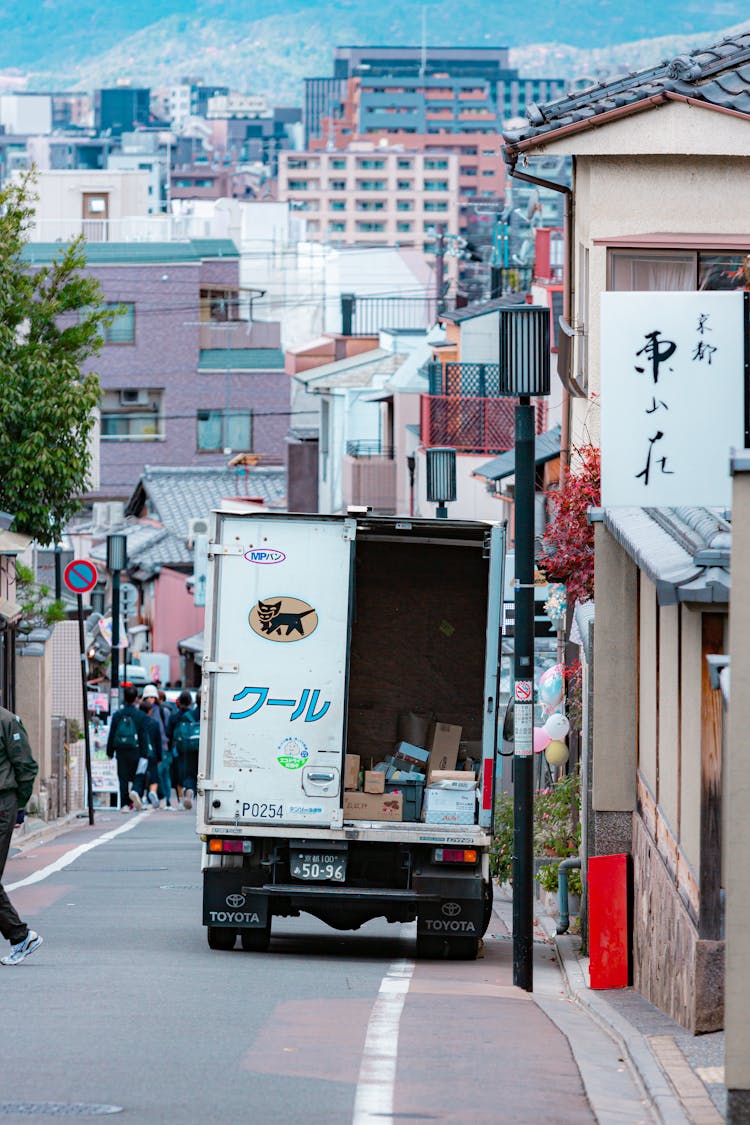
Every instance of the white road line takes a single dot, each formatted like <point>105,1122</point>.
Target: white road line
<point>376,1084</point>
<point>71,857</point>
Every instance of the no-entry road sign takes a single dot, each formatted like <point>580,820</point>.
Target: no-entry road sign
<point>80,576</point>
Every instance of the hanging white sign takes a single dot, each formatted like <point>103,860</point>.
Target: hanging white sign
<point>672,397</point>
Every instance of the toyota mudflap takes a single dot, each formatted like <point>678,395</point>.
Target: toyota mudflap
<point>349,725</point>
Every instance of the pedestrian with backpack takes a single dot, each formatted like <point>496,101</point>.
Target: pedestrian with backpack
<point>17,772</point>
<point>127,741</point>
<point>184,735</point>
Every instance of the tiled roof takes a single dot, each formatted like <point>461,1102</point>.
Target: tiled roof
<point>480,308</point>
<point>178,495</point>
<point>241,359</point>
<point>683,551</point>
<point>504,465</point>
<point>146,253</point>
<point>354,371</point>
<point>718,75</point>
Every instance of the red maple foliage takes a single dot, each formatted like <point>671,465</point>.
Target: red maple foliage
<point>568,544</point>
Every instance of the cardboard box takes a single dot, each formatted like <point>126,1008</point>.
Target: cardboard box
<point>449,806</point>
<point>374,781</point>
<point>351,771</point>
<point>408,752</point>
<point>448,775</point>
<point>372,806</point>
<point>444,741</point>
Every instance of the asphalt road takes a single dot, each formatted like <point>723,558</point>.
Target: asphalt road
<point>125,1006</point>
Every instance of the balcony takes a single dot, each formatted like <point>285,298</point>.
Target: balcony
<point>472,424</point>
<point>369,477</point>
<point>480,380</point>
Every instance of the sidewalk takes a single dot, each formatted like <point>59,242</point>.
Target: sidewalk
<point>681,1074</point>
<point>37,831</point>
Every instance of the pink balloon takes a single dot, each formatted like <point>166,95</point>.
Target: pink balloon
<point>541,740</point>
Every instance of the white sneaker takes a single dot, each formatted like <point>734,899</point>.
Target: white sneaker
<point>153,800</point>
<point>137,802</point>
<point>20,951</point>
<point>188,798</point>
<point>125,808</point>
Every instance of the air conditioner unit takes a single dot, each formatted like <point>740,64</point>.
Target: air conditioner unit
<point>196,527</point>
<point>133,397</point>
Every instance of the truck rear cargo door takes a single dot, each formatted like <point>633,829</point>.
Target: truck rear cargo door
<point>279,614</point>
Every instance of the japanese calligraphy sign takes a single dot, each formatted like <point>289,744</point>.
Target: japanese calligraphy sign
<point>672,397</point>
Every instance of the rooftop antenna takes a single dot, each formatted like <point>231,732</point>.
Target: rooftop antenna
<point>423,64</point>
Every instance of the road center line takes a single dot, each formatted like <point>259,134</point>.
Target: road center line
<point>376,1085</point>
<point>71,857</point>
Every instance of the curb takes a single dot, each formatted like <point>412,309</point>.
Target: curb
<point>47,831</point>
<point>635,1046</point>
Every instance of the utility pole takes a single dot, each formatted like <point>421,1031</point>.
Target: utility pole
<point>440,267</point>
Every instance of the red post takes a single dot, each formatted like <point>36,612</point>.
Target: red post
<point>609,921</point>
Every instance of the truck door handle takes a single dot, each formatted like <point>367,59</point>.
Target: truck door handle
<point>321,775</point>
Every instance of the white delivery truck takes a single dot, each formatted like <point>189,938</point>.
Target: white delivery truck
<point>321,632</point>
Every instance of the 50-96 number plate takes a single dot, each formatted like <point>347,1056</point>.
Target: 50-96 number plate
<point>318,867</point>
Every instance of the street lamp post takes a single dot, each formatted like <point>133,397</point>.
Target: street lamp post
<point>117,546</point>
<point>441,478</point>
<point>524,372</point>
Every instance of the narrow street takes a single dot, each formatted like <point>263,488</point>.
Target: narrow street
<point>125,1006</point>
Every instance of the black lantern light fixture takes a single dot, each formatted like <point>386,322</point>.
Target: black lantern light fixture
<point>524,372</point>
<point>117,560</point>
<point>441,478</point>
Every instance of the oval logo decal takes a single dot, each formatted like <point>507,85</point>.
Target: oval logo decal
<point>264,556</point>
<point>279,618</point>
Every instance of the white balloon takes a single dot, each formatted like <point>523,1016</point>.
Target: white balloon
<point>557,726</point>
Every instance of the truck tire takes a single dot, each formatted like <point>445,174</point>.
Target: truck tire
<point>462,948</point>
<point>256,941</point>
<point>221,938</point>
<point>431,948</point>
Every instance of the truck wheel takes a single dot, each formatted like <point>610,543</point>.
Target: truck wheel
<point>221,938</point>
<point>462,948</point>
<point>430,948</point>
<point>256,941</point>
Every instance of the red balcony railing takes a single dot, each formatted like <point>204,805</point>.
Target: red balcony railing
<point>472,425</point>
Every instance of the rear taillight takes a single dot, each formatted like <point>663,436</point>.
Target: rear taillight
<point>236,847</point>
<point>455,855</point>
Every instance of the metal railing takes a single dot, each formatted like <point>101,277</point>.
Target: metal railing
<point>137,228</point>
<point>471,424</point>
<point>369,447</point>
<point>365,316</point>
<point>469,379</point>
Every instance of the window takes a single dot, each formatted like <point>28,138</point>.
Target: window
<point>469,171</point>
<point>338,164</point>
<point>435,205</point>
<point>370,205</point>
<point>333,227</point>
<point>489,172</point>
<point>371,185</point>
<point>401,163</point>
<point>371,163</point>
<point>219,304</point>
<point>132,414</point>
<point>122,328</point>
<point>224,431</point>
<point>297,185</point>
<point>402,228</point>
<point>337,185</point>
<point>370,227</point>
<point>671,270</point>
<point>404,205</point>
<point>404,185</point>
<point>433,165</point>
<point>436,185</point>
<point>337,205</point>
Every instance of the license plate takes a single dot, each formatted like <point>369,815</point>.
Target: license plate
<point>318,867</point>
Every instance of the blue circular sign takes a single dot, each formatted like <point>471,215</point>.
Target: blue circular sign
<point>80,576</point>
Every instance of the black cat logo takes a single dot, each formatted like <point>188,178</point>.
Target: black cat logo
<point>281,618</point>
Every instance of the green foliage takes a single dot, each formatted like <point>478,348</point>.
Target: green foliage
<point>50,324</point>
<point>38,608</point>
<point>557,826</point>
<point>547,878</point>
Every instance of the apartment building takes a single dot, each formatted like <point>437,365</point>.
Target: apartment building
<point>373,194</point>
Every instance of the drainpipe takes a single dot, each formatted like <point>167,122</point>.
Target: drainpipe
<point>511,158</point>
<point>572,863</point>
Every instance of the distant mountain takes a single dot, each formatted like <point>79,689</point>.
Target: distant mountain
<point>259,47</point>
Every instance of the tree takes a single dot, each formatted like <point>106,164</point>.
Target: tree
<point>568,545</point>
<point>51,320</point>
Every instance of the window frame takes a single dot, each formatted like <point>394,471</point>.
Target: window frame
<point>224,415</point>
<point>107,328</point>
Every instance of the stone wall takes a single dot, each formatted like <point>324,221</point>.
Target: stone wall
<point>672,967</point>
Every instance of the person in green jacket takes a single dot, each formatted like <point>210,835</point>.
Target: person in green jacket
<point>17,772</point>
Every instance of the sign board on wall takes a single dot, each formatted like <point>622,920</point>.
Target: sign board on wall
<point>672,397</point>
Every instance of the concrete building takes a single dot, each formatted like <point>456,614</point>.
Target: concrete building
<point>187,378</point>
<point>94,204</point>
<point>26,113</point>
<point>373,194</point>
<point>121,109</point>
